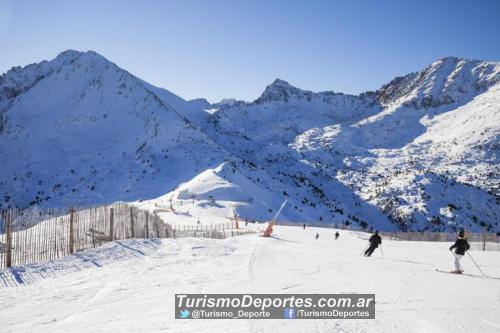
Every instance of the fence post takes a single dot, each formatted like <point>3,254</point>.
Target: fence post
<point>147,226</point>
<point>484,239</point>
<point>111,221</point>
<point>71,231</point>
<point>8,235</point>
<point>132,222</point>
<point>157,227</point>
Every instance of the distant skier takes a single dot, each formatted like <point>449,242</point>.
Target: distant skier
<point>461,246</point>
<point>317,236</point>
<point>337,235</point>
<point>375,240</point>
<point>304,226</point>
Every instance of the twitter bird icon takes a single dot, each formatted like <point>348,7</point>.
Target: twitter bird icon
<point>184,313</point>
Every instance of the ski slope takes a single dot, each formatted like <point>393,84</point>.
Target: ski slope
<point>129,286</point>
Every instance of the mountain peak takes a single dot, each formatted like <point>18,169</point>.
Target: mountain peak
<point>282,91</point>
<point>455,60</point>
<point>449,59</point>
<point>280,83</point>
<point>71,56</point>
<point>445,81</point>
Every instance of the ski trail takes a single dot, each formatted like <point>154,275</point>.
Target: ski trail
<point>394,309</point>
<point>133,292</point>
<point>111,285</point>
<point>251,274</point>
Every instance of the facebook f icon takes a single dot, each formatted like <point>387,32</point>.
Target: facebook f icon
<point>289,313</point>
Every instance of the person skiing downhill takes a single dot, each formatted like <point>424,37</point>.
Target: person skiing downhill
<point>337,235</point>
<point>461,246</point>
<point>375,240</point>
<point>317,236</point>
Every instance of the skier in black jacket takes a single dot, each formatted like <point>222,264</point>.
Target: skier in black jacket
<point>461,245</point>
<point>375,240</point>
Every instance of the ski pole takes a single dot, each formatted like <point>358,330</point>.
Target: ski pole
<point>475,263</point>
<point>382,252</point>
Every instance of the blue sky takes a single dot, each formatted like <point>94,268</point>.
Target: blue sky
<point>222,49</point>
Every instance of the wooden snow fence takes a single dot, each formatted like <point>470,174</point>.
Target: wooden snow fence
<point>484,241</point>
<point>36,235</point>
<point>217,231</point>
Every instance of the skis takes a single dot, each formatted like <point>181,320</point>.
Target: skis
<point>469,275</point>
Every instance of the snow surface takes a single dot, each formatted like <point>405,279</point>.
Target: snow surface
<point>129,286</point>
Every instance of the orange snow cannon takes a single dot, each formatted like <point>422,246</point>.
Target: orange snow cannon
<point>269,230</point>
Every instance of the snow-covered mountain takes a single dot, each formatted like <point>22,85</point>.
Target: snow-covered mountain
<point>423,149</point>
<point>80,130</point>
<point>422,152</point>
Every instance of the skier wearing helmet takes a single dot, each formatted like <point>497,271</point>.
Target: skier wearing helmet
<point>461,245</point>
<point>375,240</point>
